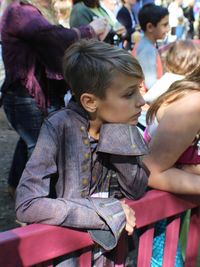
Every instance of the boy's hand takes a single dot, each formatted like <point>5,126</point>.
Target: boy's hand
<point>130,218</point>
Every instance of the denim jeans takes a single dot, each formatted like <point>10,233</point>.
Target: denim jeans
<point>26,118</point>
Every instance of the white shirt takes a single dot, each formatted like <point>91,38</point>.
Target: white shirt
<point>161,86</point>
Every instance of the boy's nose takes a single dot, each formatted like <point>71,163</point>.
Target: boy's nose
<point>168,28</point>
<point>141,101</point>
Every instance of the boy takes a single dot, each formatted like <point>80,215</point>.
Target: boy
<point>87,155</point>
<point>154,22</point>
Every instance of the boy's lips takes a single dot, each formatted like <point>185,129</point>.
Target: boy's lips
<point>137,115</point>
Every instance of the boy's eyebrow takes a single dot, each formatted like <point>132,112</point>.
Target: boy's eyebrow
<point>132,87</point>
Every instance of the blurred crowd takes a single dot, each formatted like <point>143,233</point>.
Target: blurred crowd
<point>184,15</point>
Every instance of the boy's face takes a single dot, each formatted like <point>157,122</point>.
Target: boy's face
<point>161,29</point>
<point>123,101</point>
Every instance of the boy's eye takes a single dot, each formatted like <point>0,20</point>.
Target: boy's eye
<point>129,95</point>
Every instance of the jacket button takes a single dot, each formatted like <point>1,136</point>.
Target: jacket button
<point>85,141</point>
<point>86,155</point>
<point>82,129</point>
<point>84,168</point>
<point>85,181</point>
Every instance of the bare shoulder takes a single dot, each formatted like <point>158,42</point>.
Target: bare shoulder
<point>192,99</point>
<point>188,103</point>
<point>184,112</point>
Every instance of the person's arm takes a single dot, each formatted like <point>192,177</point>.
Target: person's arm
<point>47,41</point>
<point>175,133</point>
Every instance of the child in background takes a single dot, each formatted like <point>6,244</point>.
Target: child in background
<point>92,151</point>
<point>154,23</point>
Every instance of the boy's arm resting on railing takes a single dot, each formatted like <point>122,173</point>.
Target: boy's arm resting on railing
<point>33,204</point>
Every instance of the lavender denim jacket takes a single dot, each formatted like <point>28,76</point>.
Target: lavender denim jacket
<point>58,181</point>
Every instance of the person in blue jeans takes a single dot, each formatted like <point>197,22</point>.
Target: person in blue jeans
<point>32,50</point>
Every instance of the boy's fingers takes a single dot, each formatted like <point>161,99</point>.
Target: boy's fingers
<point>129,229</point>
<point>132,222</point>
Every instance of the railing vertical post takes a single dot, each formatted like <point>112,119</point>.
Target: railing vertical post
<point>121,250</point>
<point>193,239</point>
<point>145,247</point>
<point>171,241</point>
<point>85,259</point>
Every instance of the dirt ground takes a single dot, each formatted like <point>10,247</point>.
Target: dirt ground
<point>8,139</point>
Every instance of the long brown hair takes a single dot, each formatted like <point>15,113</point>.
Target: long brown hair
<point>176,91</point>
<point>182,57</point>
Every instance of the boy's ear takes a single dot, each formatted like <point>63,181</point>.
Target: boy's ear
<point>149,27</point>
<point>89,102</point>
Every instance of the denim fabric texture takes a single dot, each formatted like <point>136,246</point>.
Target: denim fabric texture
<point>57,188</point>
<point>26,118</point>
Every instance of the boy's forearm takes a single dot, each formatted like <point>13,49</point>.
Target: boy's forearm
<point>102,217</point>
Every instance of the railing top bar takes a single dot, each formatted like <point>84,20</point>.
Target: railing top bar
<point>156,205</point>
<point>37,243</point>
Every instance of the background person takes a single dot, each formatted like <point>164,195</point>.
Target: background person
<point>127,18</point>
<point>182,58</point>
<point>154,23</point>
<point>83,12</point>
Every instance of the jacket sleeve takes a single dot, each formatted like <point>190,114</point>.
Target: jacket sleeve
<point>126,147</point>
<point>34,204</point>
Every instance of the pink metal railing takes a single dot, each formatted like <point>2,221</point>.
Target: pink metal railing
<point>39,244</point>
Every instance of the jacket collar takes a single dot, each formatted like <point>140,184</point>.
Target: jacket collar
<point>72,105</point>
<point>121,139</point>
